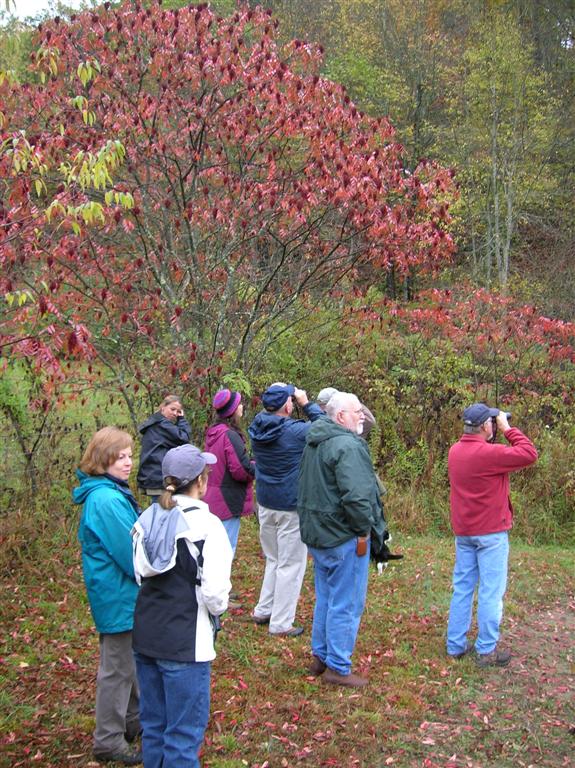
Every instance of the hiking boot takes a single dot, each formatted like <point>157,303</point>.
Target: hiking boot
<point>261,620</point>
<point>133,731</point>
<point>332,677</point>
<point>234,605</point>
<point>461,654</point>
<point>291,632</point>
<point>126,757</point>
<point>494,659</point>
<point>317,667</point>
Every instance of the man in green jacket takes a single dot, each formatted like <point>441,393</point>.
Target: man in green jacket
<point>338,506</point>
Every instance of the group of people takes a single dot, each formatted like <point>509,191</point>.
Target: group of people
<point>158,580</point>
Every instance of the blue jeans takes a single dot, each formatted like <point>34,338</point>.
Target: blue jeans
<point>340,590</point>
<point>480,559</point>
<point>174,710</point>
<point>232,526</point>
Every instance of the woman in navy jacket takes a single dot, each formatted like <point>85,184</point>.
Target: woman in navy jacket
<point>163,430</point>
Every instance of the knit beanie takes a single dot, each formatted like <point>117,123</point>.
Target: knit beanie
<point>226,402</point>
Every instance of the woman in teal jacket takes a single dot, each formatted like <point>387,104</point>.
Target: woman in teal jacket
<point>108,515</point>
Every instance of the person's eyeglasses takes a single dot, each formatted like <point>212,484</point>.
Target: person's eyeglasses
<point>346,410</point>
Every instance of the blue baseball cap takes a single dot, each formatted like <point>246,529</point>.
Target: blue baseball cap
<point>478,413</point>
<point>276,395</point>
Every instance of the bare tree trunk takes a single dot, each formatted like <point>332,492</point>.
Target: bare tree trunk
<point>495,183</point>
<point>509,227</point>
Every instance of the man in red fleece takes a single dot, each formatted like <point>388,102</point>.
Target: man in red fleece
<point>481,516</point>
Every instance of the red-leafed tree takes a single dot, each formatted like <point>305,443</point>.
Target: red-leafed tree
<point>467,344</point>
<point>515,353</point>
<point>250,188</point>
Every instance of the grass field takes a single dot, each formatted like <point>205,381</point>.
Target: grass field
<point>420,708</point>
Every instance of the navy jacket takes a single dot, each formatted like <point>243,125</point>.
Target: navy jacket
<point>277,445</point>
<point>158,436</point>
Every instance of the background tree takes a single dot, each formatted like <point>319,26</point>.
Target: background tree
<point>504,141</point>
<point>257,188</point>
<point>432,67</point>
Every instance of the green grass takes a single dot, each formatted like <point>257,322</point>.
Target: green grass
<point>420,708</point>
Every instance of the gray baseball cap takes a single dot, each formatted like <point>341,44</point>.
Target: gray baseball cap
<point>185,463</point>
<point>325,395</point>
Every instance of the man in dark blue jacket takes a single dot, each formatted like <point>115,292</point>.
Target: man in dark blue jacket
<point>165,429</point>
<point>277,444</point>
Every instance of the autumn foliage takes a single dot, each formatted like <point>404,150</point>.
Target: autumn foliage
<point>517,351</point>
<point>488,346</point>
<point>189,184</point>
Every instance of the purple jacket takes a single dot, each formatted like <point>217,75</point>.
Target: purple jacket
<point>230,492</point>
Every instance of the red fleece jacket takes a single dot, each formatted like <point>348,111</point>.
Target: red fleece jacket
<point>479,478</point>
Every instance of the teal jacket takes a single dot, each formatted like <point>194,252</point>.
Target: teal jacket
<point>104,533</point>
<point>338,497</point>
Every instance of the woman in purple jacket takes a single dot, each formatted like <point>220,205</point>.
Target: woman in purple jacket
<point>230,492</point>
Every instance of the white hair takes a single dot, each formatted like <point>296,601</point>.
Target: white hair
<point>339,402</point>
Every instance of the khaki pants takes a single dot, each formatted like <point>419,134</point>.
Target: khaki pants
<point>286,560</point>
<point>117,694</point>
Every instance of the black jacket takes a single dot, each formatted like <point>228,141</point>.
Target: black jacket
<point>158,436</point>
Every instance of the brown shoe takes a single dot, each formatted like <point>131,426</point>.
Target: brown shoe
<point>494,659</point>
<point>317,667</point>
<point>261,620</point>
<point>350,681</point>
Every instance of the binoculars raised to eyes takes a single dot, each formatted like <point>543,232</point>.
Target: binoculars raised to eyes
<point>494,423</point>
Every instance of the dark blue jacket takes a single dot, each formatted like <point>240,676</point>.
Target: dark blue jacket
<point>277,445</point>
<point>158,436</point>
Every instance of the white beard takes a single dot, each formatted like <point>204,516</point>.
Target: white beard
<point>359,429</point>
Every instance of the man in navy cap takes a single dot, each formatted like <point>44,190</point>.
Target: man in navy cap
<point>481,516</point>
<point>277,444</point>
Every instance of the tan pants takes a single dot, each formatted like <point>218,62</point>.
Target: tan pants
<point>286,560</point>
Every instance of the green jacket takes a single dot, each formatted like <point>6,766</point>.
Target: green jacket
<point>338,497</point>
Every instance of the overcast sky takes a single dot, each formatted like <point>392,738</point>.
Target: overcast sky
<point>26,8</point>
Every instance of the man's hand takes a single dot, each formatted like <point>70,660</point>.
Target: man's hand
<point>502,423</point>
<point>300,396</point>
